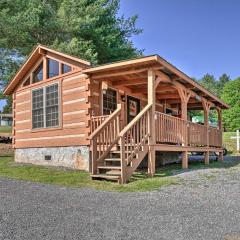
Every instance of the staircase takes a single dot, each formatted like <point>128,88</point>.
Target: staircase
<point>117,154</point>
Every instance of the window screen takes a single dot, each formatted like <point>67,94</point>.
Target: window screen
<point>53,68</point>
<point>109,101</point>
<point>37,108</point>
<point>66,68</point>
<point>38,74</point>
<point>52,105</point>
<point>45,107</point>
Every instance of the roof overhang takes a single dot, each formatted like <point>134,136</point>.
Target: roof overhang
<point>157,62</point>
<point>37,52</point>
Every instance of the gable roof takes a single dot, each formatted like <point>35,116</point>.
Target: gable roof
<point>32,59</point>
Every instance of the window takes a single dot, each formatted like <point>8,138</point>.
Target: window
<point>53,68</point>
<point>109,101</point>
<point>66,68</point>
<point>37,108</point>
<point>27,82</point>
<point>45,107</point>
<point>52,105</point>
<point>38,74</point>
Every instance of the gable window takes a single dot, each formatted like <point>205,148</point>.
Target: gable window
<point>53,68</point>
<point>27,82</point>
<point>66,68</point>
<point>109,101</point>
<point>45,107</point>
<point>38,74</point>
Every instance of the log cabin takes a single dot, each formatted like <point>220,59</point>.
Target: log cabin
<point>107,119</point>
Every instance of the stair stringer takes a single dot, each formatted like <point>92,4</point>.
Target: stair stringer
<point>135,163</point>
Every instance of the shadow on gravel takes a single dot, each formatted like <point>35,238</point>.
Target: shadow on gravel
<point>195,163</point>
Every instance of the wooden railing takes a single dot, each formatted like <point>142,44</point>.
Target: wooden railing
<point>215,137</point>
<point>197,134</point>
<point>104,138</point>
<point>169,129</point>
<point>96,121</point>
<point>173,130</point>
<point>133,138</point>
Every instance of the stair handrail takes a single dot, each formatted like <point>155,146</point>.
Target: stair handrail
<point>104,138</point>
<point>137,141</point>
<point>133,122</point>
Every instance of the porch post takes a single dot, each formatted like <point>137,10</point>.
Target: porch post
<point>206,108</point>
<point>219,111</point>
<point>185,96</point>
<point>151,123</point>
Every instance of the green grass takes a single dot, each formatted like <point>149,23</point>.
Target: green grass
<point>5,129</point>
<point>140,182</point>
<point>80,179</point>
<point>230,144</point>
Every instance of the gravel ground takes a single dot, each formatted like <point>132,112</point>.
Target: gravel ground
<point>205,206</point>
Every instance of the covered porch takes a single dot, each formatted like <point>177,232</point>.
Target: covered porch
<point>151,114</point>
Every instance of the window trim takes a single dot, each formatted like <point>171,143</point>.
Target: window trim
<point>117,97</point>
<point>44,108</point>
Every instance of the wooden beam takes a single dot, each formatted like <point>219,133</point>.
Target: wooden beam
<point>151,123</point>
<point>129,82</point>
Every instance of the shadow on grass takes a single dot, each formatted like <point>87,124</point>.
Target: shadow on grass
<point>195,163</point>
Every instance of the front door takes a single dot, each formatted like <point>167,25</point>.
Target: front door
<point>133,108</point>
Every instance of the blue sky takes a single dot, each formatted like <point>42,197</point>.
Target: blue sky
<point>197,36</point>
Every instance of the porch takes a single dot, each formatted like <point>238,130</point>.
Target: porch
<point>119,141</point>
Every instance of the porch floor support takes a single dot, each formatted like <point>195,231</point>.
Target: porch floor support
<point>151,124</point>
<point>206,157</point>
<point>185,160</point>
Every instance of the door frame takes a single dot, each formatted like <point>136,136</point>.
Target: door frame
<point>129,97</point>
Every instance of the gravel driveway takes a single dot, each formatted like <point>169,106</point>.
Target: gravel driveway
<point>205,206</point>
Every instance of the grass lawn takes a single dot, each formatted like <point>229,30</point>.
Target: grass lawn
<point>230,144</point>
<point>5,129</point>
<point>70,178</point>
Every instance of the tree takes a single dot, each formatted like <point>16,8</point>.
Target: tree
<point>89,29</point>
<point>231,95</point>
<point>209,82</point>
<point>222,81</point>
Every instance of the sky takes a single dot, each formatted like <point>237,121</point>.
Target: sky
<point>197,36</point>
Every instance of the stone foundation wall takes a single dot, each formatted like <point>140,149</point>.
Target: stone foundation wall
<point>72,157</point>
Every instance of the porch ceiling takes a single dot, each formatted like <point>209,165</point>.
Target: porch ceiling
<point>133,74</point>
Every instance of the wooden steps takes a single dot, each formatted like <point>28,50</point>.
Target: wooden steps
<point>105,176</point>
<point>110,167</point>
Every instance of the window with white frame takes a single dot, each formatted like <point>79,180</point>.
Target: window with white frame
<point>109,101</point>
<point>45,107</point>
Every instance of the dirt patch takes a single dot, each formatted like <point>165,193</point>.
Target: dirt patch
<point>6,149</point>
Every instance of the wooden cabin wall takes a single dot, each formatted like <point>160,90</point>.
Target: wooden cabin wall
<point>74,114</point>
<point>95,98</point>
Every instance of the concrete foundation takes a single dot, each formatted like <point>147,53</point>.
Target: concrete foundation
<point>72,157</point>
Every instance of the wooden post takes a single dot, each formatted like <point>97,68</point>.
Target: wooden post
<point>123,162</point>
<point>185,160</point>
<point>185,96</point>
<point>151,123</point>
<point>45,68</point>
<point>94,156</point>
<point>219,112</point>
<point>206,108</point>
<point>206,157</point>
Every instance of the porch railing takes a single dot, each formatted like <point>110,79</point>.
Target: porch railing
<point>173,130</point>
<point>197,134</point>
<point>104,138</point>
<point>169,129</point>
<point>96,121</point>
<point>215,137</point>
